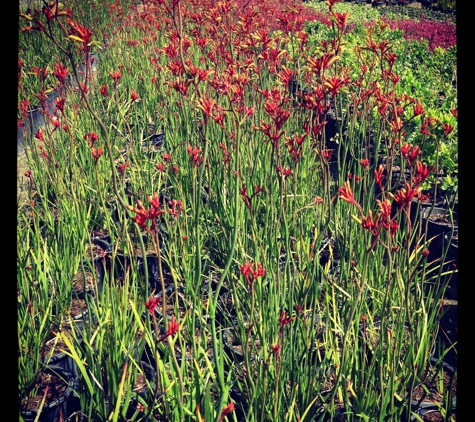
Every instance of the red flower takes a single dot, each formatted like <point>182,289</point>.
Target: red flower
<point>396,124</point>
<point>286,171</point>
<point>50,11</point>
<point>59,103</point>
<point>155,211</point>
<point>284,319</point>
<point>173,328</point>
<point>115,75</point>
<point>275,349</point>
<point>334,84</point>
<point>122,167</point>
<point>414,154</point>
<point>90,138</point>
<point>39,135</point>
<point>448,129</point>
<point>385,207</point>
<point>246,198</point>
<point>405,149</point>
<point>96,153</point>
<point>393,226</point>
<point>141,216</point>
<point>364,162</point>
<point>422,172</point>
<point>180,86</point>
<point>245,269</point>
<point>152,303</point>
<point>133,95</point>
<point>104,90</point>
<point>341,19</point>
<point>226,411</point>
<point>24,106</point>
<point>318,200</point>
<point>418,109</point>
<point>176,207</point>
<point>369,223</point>
<point>61,72</point>
<point>194,154</point>
<point>259,272</point>
<point>326,154</point>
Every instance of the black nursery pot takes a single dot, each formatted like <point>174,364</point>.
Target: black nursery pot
<point>445,243</point>
<point>62,360</point>
<point>118,267</point>
<point>424,408</point>
<point>58,358</point>
<point>142,394</point>
<point>60,408</point>
<point>438,221</point>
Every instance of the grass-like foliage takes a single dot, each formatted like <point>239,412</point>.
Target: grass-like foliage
<point>231,194</point>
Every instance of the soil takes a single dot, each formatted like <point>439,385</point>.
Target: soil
<point>234,343</point>
<point>77,307</point>
<point>56,388</point>
<point>84,282</point>
<point>433,382</point>
<point>140,384</point>
<point>444,219</point>
<point>55,346</point>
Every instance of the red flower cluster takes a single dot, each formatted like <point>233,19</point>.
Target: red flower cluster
<point>194,153</point>
<point>284,320</point>
<point>143,215</point>
<point>248,268</point>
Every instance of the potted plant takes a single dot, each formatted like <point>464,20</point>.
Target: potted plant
<point>439,220</point>
<point>49,398</point>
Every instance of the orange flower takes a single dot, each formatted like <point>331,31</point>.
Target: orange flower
<point>141,213</point>
<point>206,104</point>
<point>379,176</point>
<point>346,194</point>
<point>422,172</point>
<point>334,83</point>
<point>80,33</point>
<point>370,223</point>
<point>405,195</point>
<point>385,207</point>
